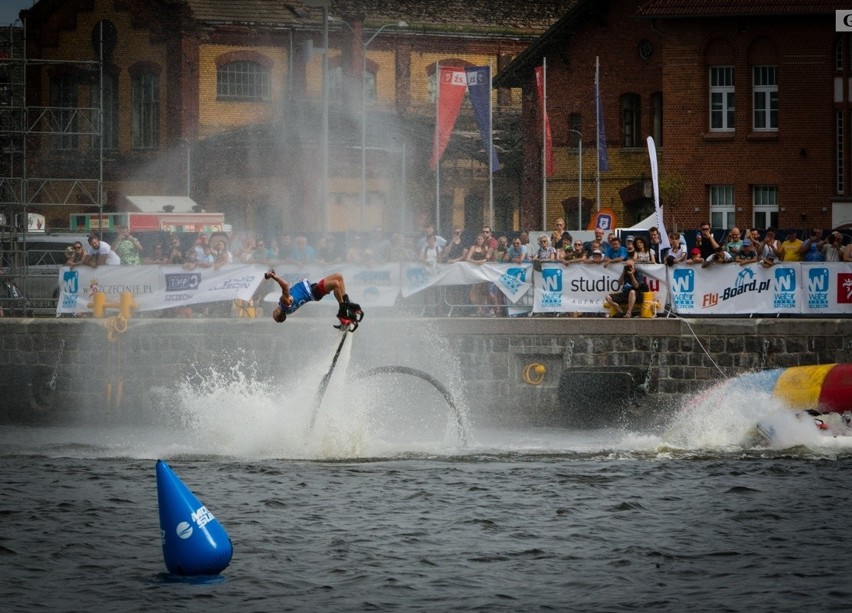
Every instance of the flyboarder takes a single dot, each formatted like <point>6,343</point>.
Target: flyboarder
<point>293,297</point>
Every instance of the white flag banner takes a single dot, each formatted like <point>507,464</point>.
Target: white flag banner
<point>655,181</point>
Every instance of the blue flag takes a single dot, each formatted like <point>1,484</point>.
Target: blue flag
<point>479,88</point>
<point>603,158</point>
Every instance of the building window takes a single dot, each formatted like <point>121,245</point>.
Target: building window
<point>242,80</point>
<point>765,88</point>
<point>64,115</point>
<point>839,153</point>
<point>657,118</point>
<point>765,206</point>
<point>631,120</point>
<point>109,112</point>
<point>146,110</point>
<point>722,98</point>
<point>575,134</point>
<point>838,55</point>
<point>722,206</point>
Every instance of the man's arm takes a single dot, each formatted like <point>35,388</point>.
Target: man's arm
<point>285,287</point>
<point>90,259</point>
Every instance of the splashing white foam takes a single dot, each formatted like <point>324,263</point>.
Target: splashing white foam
<point>725,417</point>
<point>227,412</point>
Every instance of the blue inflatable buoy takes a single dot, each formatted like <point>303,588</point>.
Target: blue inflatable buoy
<point>194,542</point>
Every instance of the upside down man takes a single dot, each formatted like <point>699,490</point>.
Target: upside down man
<point>293,297</point>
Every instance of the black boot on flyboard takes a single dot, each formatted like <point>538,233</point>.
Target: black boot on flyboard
<point>349,314</point>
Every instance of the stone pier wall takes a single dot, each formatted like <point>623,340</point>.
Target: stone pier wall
<point>535,371</point>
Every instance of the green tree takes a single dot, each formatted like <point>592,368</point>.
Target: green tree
<point>672,189</point>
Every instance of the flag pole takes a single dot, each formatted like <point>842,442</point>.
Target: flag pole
<point>437,148</point>
<point>598,131</point>
<point>490,150</point>
<point>544,145</point>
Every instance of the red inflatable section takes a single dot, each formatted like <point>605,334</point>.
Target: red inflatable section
<point>836,392</point>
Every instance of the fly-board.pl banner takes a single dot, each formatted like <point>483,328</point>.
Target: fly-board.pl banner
<point>789,287</point>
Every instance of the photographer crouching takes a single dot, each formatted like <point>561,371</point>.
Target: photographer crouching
<point>631,281</point>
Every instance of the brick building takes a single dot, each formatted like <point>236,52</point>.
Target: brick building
<point>222,100</point>
<point>748,103</point>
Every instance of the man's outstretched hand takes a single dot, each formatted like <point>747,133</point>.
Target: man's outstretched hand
<point>270,274</point>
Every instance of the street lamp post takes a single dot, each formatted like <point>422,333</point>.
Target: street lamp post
<point>324,5</point>
<point>579,178</point>
<point>188,147</point>
<point>364,45</point>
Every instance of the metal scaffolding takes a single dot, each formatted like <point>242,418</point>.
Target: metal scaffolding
<point>51,155</point>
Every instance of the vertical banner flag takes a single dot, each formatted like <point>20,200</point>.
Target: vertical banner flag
<point>655,179</point>
<point>550,166</point>
<point>603,157</point>
<point>452,85</point>
<point>479,88</point>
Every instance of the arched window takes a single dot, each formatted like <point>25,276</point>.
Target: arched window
<point>242,80</point>
<point>765,97</point>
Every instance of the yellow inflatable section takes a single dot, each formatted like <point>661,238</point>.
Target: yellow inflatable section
<point>824,385</point>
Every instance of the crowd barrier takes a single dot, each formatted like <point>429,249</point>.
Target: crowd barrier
<point>721,289</point>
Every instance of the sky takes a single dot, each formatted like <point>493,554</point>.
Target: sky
<point>9,9</point>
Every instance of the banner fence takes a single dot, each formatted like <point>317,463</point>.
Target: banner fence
<point>721,289</point>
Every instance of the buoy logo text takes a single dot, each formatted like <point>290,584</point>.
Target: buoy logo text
<point>202,517</point>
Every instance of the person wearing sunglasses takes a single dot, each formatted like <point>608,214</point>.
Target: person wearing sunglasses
<point>517,252</point>
<point>74,254</point>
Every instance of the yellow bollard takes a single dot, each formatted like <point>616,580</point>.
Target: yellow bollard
<point>126,305</point>
<point>649,305</point>
<point>98,304</point>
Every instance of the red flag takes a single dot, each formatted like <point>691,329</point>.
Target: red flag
<point>452,86</point>
<point>550,164</point>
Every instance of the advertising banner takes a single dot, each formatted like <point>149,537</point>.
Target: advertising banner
<point>789,288</point>
<point>581,288</point>
<point>155,287</point>
<point>514,280</point>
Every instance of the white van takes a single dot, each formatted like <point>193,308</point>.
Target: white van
<point>34,265</point>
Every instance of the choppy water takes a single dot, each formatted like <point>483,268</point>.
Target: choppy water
<point>382,507</point>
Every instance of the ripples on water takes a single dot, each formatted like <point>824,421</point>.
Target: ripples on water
<point>381,507</point>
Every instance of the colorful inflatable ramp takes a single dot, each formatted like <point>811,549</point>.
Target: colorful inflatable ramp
<point>826,388</point>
